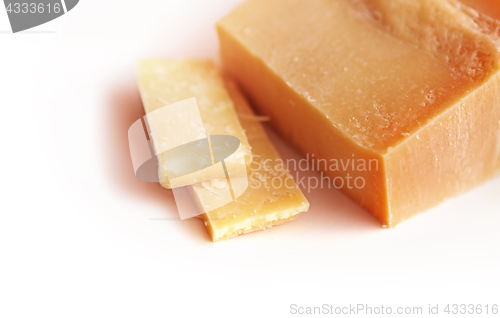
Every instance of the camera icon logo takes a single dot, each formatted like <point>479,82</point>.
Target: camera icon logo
<point>171,146</point>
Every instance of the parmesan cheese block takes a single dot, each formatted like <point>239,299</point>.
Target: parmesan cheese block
<point>410,85</point>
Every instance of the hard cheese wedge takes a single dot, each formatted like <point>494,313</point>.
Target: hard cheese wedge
<point>412,86</point>
<point>272,196</point>
<point>185,102</point>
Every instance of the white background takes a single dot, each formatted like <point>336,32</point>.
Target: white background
<point>80,236</point>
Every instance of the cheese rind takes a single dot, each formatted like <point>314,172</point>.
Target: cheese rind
<point>410,84</point>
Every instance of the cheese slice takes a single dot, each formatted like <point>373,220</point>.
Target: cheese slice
<point>249,190</point>
<point>268,196</point>
<point>405,93</point>
<point>185,102</point>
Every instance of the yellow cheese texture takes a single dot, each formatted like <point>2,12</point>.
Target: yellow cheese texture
<point>185,100</point>
<point>410,85</point>
<point>256,197</point>
<point>272,196</point>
